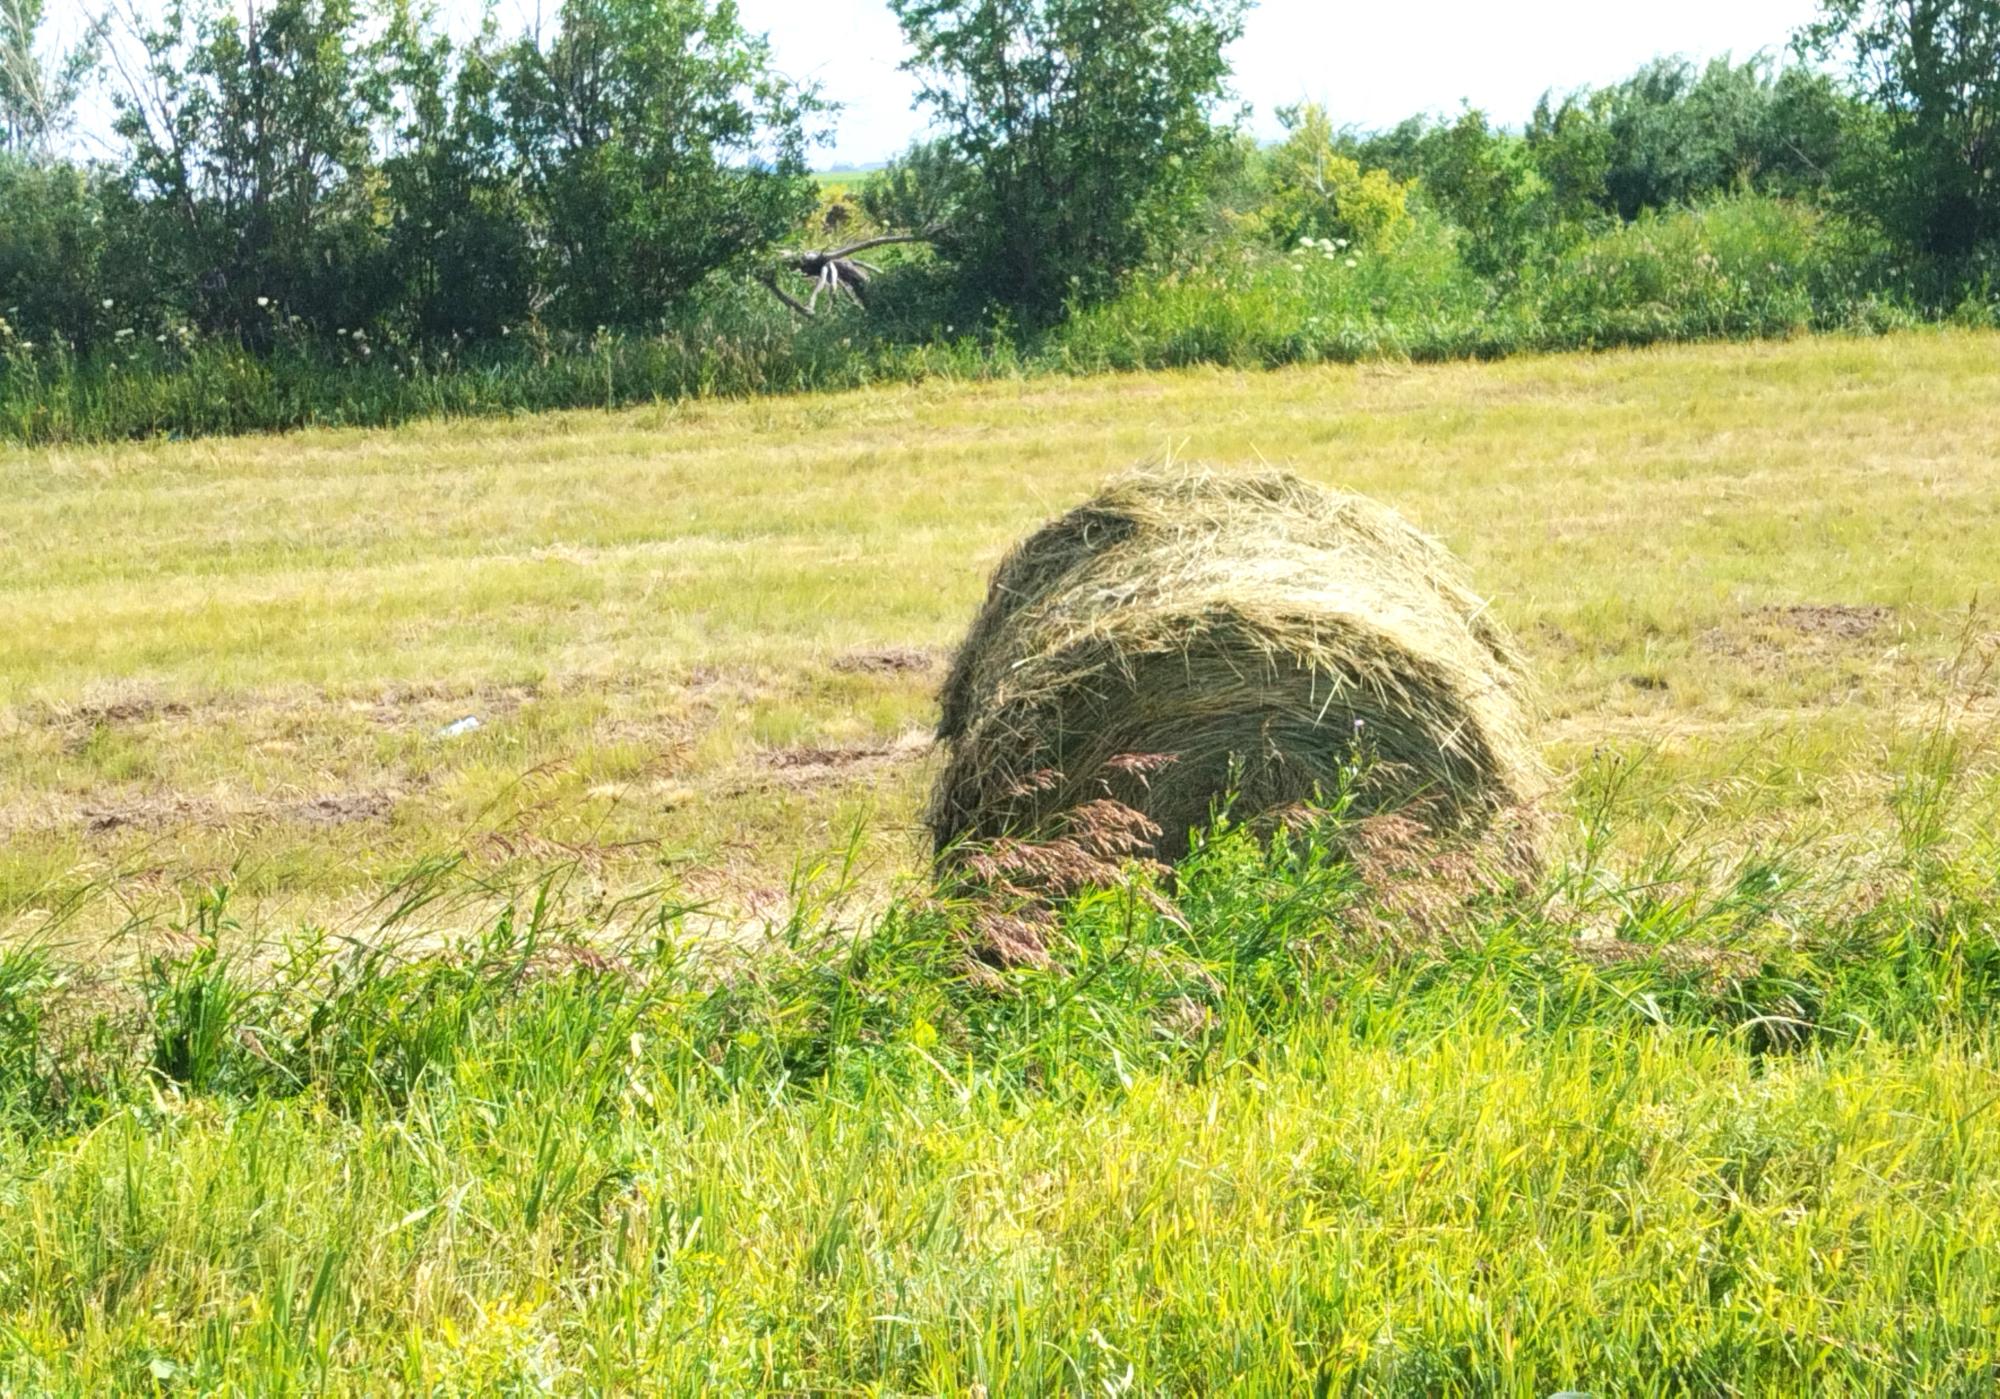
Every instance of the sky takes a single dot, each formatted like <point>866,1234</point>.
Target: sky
<point>1368,64</point>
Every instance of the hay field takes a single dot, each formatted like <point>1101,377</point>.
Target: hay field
<point>702,640</point>
<point>1708,1108</point>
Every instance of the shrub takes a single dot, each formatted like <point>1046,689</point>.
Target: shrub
<point>1315,191</point>
<point>1323,302</point>
<point>1477,176</point>
<point>1741,266</point>
<point>52,237</point>
<point>1672,134</point>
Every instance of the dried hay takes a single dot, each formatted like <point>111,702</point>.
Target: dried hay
<point>1271,638</point>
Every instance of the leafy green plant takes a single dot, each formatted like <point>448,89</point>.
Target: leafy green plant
<point>1931,72</point>
<point>200,1012</point>
<point>1084,130</point>
<point>658,145</point>
<point>1315,191</point>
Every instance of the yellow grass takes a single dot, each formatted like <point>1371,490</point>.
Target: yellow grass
<point>703,639</point>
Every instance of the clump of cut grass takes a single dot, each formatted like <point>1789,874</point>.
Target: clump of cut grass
<point>1191,634</point>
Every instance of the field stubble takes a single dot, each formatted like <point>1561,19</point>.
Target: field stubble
<point>702,639</point>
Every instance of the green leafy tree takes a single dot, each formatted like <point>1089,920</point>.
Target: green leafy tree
<point>1674,133</point>
<point>1931,68</point>
<point>1480,177</point>
<point>458,233</point>
<point>1316,190</point>
<point>52,246</point>
<point>37,90</point>
<point>51,231</point>
<point>658,147</point>
<point>1085,129</point>
<point>251,138</point>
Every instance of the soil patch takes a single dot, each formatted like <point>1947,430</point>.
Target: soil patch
<point>814,765</point>
<point>886,660</point>
<point>1758,636</point>
<point>800,759</point>
<point>339,809</point>
<point>1833,620</point>
<point>165,813</point>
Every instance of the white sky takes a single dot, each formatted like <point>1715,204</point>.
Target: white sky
<point>1369,64</point>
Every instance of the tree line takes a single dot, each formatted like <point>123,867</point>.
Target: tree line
<point>347,172</point>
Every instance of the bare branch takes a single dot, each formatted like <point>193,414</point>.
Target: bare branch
<point>770,280</point>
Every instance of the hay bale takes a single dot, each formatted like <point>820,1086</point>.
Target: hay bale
<point>1267,634</point>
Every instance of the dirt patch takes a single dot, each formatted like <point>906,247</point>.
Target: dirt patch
<point>1833,620</point>
<point>98,710</point>
<point>814,765</point>
<point>151,813</point>
<point>428,707</point>
<point>167,813</point>
<point>1766,636</point>
<point>393,706</point>
<point>805,759</point>
<point>134,710</point>
<point>886,660</point>
<point>338,809</point>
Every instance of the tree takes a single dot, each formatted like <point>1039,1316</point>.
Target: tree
<point>1478,176</point>
<point>1085,128</point>
<point>1673,133</point>
<point>52,253</point>
<point>1317,191</point>
<point>251,139</point>
<point>658,147</point>
<point>37,92</point>
<point>458,231</point>
<point>51,226</point>
<point>1932,69</point>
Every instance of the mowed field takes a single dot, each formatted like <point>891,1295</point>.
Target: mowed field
<point>1709,1106</point>
<point>701,641</point>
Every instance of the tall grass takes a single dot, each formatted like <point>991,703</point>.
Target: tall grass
<point>205,388</point>
<point>1712,1117</point>
<point>1739,267</point>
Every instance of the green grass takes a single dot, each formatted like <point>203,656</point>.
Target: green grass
<point>1265,1149</point>
<point>1736,268</point>
<point>336,1055</point>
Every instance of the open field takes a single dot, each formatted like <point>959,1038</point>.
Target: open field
<point>1747,1141</point>
<point>702,640</point>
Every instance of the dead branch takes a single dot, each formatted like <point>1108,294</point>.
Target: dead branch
<point>770,280</point>
<point>835,271</point>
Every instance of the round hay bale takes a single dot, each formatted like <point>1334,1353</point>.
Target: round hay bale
<point>1274,639</point>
